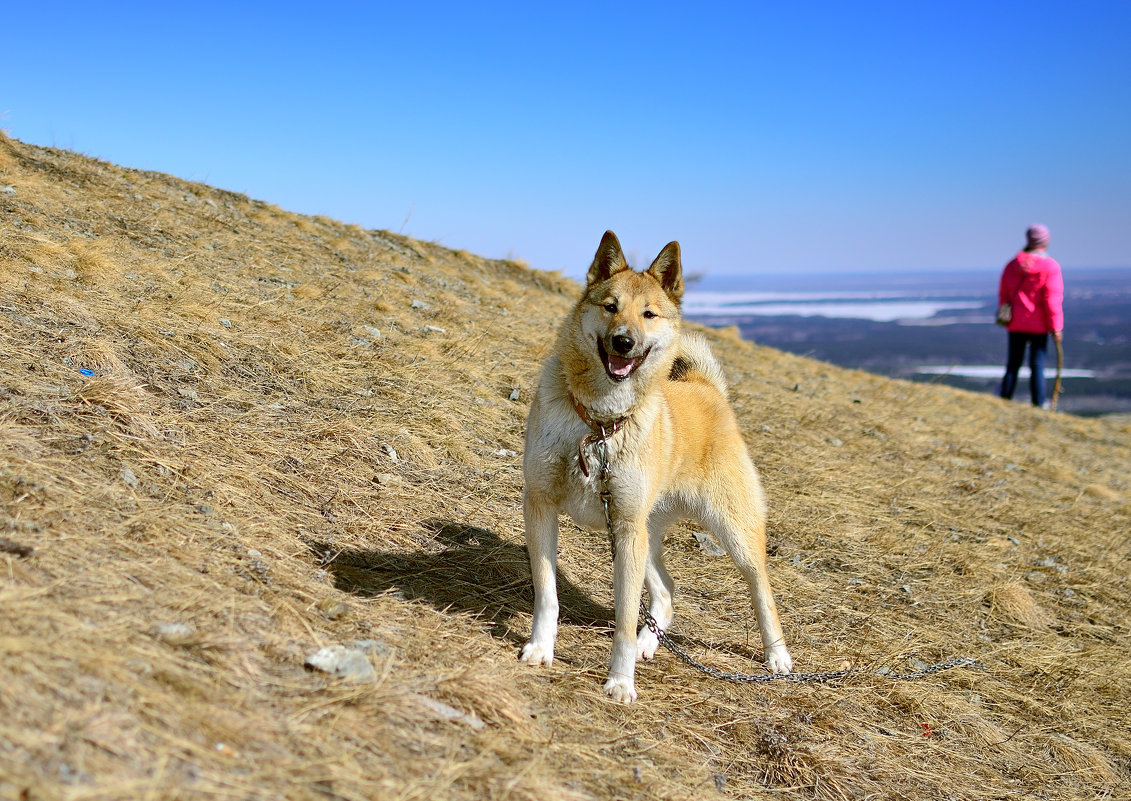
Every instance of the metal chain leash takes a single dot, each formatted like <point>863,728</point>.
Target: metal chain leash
<point>601,448</point>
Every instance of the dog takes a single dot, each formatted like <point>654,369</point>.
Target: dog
<point>623,378</point>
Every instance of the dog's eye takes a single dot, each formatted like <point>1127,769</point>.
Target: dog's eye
<point>649,314</point>
<point>611,308</point>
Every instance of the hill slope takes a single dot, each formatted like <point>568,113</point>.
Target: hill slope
<point>298,433</point>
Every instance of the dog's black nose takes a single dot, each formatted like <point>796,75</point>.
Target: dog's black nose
<point>623,343</point>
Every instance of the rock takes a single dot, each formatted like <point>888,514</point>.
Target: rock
<point>447,712</point>
<point>7,190</point>
<point>421,305</point>
<point>514,394</point>
<point>708,545</point>
<point>505,452</point>
<point>128,476</point>
<point>342,662</point>
<point>332,609</point>
<point>434,329</point>
<point>373,332</point>
<point>174,633</point>
<point>224,321</point>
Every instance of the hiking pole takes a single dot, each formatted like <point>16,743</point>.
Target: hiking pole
<point>1059,367</point>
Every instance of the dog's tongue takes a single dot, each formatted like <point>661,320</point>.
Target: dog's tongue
<point>620,367</point>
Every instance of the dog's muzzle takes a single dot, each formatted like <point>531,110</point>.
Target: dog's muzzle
<point>618,357</point>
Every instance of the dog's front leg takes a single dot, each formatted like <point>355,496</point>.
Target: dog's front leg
<point>542,547</point>
<point>631,538</point>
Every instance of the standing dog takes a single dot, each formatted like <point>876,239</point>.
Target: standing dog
<point>621,370</point>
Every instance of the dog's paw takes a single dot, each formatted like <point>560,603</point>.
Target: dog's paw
<point>621,688</point>
<point>536,654</point>
<point>646,644</point>
<point>778,660</point>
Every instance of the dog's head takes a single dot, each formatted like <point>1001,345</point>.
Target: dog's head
<point>630,319</point>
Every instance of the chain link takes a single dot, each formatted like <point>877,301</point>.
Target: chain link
<point>601,447</point>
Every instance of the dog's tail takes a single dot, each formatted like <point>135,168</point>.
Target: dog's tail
<point>695,361</point>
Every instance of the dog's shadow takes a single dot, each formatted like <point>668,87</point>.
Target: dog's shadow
<point>466,569</point>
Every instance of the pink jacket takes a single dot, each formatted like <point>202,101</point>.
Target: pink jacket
<point>1032,283</point>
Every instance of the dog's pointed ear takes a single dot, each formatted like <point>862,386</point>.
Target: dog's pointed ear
<point>608,261</point>
<point>668,270</point>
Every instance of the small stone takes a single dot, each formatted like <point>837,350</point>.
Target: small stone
<point>373,332</point>
<point>514,394</point>
<point>434,329</point>
<point>421,305</point>
<point>836,443</point>
<point>390,452</point>
<point>342,662</point>
<point>708,545</point>
<point>8,190</point>
<point>224,321</point>
<point>505,452</point>
<point>128,476</point>
<point>447,712</point>
<point>174,633</point>
<point>332,609</point>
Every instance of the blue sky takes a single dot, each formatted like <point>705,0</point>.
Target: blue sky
<point>767,138</point>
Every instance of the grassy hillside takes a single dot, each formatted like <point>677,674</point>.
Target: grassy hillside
<point>297,433</point>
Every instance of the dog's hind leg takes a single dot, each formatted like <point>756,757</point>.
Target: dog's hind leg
<point>660,586</point>
<point>740,525</point>
<point>542,547</point>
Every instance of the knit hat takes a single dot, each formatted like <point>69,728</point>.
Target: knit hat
<point>1037,237</point>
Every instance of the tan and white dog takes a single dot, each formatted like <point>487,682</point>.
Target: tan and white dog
<point>674,453</point>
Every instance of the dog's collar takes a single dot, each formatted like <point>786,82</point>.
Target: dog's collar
<point>601,429</point>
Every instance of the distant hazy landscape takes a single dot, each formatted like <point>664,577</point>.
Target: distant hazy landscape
<point>937,327</point>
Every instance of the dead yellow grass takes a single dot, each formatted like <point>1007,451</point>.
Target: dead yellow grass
<point>300,433</point>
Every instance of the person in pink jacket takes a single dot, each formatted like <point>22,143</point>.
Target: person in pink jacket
<point>1033,286</point>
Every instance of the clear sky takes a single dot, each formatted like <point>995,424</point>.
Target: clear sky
<point>767,138</point>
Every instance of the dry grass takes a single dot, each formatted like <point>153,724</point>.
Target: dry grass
<point>298,433</point>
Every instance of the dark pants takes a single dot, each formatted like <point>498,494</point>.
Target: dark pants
<point>1038,348</point>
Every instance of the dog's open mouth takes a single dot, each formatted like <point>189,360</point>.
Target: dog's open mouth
<point>617,367</point>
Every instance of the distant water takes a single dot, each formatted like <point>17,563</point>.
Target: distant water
<point>934,326</point>
<point>911,298</point>
<point>882,307</point>
<point>990,371</point>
